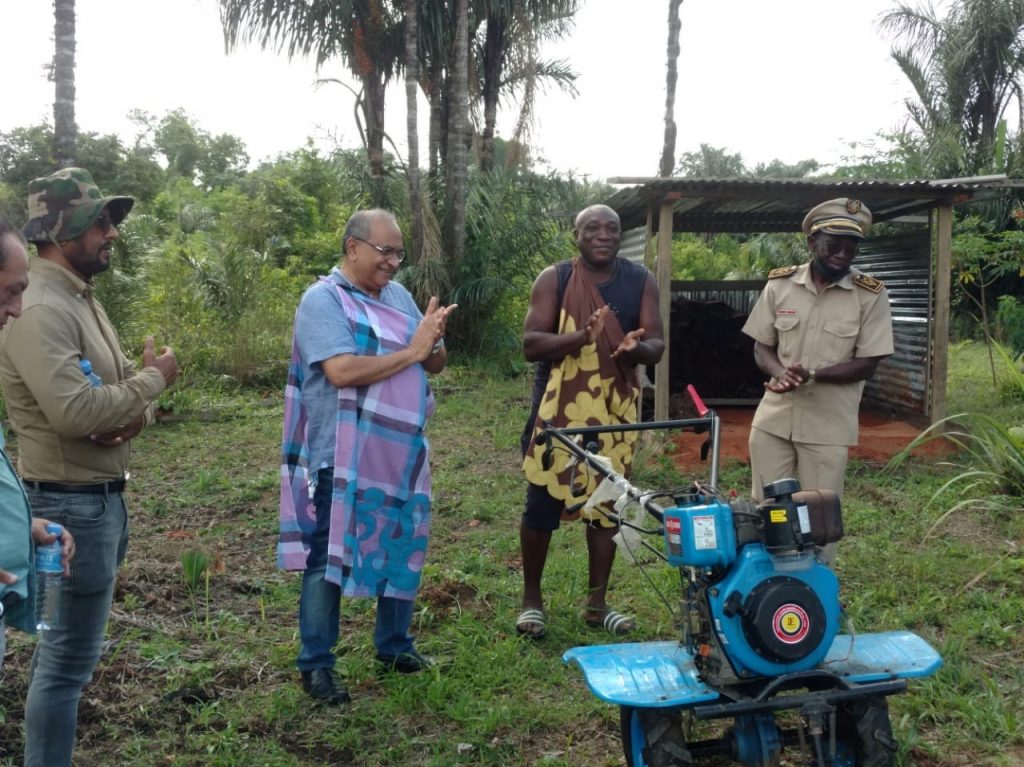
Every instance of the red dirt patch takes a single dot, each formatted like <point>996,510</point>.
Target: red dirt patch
<point>880,439</point>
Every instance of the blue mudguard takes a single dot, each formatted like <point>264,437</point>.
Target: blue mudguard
<point>645,674</point>
<point>663,675</point>
<point>871,657</point>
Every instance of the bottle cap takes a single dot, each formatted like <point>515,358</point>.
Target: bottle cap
<point>48,555</point>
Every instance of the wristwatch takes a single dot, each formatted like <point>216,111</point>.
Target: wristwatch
<point>438,346</point>
<point>811,375</point>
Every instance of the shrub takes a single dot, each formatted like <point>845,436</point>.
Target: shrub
<point>1010,320</point>
<point>991,459</point>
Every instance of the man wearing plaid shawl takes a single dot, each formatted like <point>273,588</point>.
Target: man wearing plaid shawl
<point>355,480</point>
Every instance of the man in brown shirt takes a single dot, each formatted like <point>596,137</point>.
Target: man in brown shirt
<point>20,533</point>
<point>819,332</point>
<point>74,435</point>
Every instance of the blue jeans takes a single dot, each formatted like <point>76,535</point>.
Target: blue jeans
<point>320,599</point>
<point>66,655</point>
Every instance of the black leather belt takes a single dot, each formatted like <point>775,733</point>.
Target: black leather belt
<point>103,488</point>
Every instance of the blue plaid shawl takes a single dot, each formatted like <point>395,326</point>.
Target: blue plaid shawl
<point>380,507</point>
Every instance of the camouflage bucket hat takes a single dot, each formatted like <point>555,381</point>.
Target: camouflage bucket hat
<point>64,204</point>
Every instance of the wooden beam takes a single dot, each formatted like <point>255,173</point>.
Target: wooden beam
<point>648,240</point>
<point>664,275</point>
<point>940,321</point>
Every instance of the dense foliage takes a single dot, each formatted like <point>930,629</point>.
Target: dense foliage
<point>216,254</point>
<point>214,257</point>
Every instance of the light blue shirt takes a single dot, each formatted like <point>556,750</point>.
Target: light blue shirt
<point>322,331</point>
<point>16,547</point>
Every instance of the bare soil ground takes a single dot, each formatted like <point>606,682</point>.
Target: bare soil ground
<point>880,439</point>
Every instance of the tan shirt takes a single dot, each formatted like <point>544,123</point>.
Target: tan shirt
<point>52,407</point>
<point>818,329</point>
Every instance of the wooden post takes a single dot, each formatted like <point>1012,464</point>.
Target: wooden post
<point>940,321</point>
<point>664,275</point>
<point>648,235</point>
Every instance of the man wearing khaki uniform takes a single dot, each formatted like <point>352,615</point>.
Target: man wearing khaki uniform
<point>819,332</point>
<point>73,435</point>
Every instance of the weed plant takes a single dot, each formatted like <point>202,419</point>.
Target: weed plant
<point>989,467</point>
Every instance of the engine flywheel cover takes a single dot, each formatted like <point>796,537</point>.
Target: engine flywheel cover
<point>783,619</point>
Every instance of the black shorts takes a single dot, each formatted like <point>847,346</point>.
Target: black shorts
<point>541,511</point>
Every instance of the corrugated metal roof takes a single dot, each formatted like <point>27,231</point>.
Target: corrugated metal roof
<point>779,205</point>
<point>633,245</point>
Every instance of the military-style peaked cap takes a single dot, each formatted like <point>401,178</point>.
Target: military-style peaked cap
<point>64,204</point>
<point>842,217</point>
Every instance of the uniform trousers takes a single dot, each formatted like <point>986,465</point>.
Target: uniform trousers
<point>817,467</point>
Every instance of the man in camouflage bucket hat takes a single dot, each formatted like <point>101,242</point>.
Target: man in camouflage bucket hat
<point>73,436</point>
<point>65,204</point>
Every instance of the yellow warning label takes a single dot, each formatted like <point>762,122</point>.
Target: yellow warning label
<point>778,516</point>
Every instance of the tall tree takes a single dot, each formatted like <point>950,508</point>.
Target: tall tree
<point>412,129</point>
<point>507,59</point>
<point>712,162</point>
<point>64,129</point>
<point>965,69</point>
<point>458,137</point>
<point>365,34</point>
<point>434,41</point>
<point>504,63</point>
<point>668,150</point>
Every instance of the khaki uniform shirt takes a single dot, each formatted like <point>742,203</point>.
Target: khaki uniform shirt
<point>817,330</point>
<point>52,407</point>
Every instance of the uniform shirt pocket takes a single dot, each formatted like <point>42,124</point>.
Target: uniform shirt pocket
<point>839,340</point>
<point>787,329</point>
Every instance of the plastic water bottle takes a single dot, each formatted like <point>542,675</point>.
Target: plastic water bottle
<point>86,366</point>
<point>49,574</point>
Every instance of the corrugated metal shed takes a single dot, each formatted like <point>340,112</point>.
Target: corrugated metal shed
<point>900,385</point>
<point>779,205</point>
<point>916,269</point>
<point>633,245</point>
<point>739,295</point>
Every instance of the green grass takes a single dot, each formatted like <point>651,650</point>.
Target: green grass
<point>197,678</point>
<point>969,385</point>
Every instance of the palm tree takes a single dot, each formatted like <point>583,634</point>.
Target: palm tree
<point>965,69</point>
<point>712,162</point>
<point>764,252</point>
<point>64,129</point>
<point>365,34</point>
<point>668,151</point>
<point>412,129</point>
<point>505,38</point>
<point>507,59</point>
<point>458,137</point>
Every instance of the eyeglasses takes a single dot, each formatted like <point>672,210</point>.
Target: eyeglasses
<point>841,246</point>
<point>398,254</point>
<point>103,222</point>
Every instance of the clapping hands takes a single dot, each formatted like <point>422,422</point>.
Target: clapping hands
<point>431,328</point>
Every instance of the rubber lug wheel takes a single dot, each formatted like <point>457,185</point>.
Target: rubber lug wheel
<point>865,727</point>
<point>654,737</point>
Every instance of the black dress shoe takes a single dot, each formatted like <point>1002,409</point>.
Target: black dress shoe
<point>322,684</point>
<point>406,663</point>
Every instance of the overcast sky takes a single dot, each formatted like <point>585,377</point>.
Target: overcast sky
<point>790,80</point>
